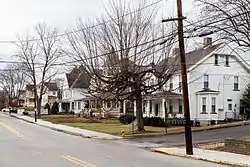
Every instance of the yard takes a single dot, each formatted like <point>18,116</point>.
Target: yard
<point>113,126</point>
<point>110,126</point>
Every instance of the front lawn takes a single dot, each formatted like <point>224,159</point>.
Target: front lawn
<point>114,128</point>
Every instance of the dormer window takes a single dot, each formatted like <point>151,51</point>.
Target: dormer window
<point>216,62</point>
<point>227,60</point>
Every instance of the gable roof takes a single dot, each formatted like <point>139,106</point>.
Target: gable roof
<point>192,57</point>
<point>195,56</point>
<point>78,78</point>
<point>29,87</point>
<point>52,86</point>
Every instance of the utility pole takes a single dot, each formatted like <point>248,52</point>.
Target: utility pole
<point>188,132</point>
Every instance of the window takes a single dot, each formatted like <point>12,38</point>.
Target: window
<point>227,60</point>
<point>230,106</point>
<point>213,105</point>
<point>180,106</point>
<point>72,106</point>
<point>108,104</point>
<point>150,107</point>
<point>171,84</point>
<point>170,107</point>
<point>31,100</point>
<point>236,83</point>
<point>144,107</point>
<point>79,105</point>
<point>206,79</point>
<point>180,83</point>
<point>241,107</point>
<point>216,60</point>
<point>204,106</point>
<point>117,104</point>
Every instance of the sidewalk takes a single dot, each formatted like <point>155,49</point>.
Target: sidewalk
<point>68,129</point>
<point>209,155</point>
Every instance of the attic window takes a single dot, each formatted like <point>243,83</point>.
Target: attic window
<point>216,60</point>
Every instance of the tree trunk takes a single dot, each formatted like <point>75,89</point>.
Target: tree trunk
<point>39,104</point>
<point>139,114</point>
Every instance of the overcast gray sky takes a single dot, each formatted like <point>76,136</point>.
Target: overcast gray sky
<point>18,17</point>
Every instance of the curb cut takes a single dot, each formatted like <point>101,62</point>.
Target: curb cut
<point>65,131</point>
<point>202,159</point>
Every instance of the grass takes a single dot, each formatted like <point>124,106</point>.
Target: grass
<point>114,128</point>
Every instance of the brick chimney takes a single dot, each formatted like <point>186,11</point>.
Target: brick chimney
<point>207,42</point>
<point>176,52</point>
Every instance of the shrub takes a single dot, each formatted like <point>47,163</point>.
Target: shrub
<point>127,118</point>
<point>154,121</point>
<point>25,113</point>
<point>31,108</point>
<point>55,108</point>
<point>47,106</point>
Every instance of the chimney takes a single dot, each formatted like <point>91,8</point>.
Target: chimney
<point>207,42</point>
<point>176,52</point>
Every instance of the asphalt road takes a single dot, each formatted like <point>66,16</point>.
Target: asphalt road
<point>198,137</point>
<point>27,145</point>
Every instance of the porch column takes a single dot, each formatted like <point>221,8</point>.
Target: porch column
<point>148,108</point>
<point>134,107</point>
<point>60,107</point>
<point>153,108</point>
<point>166,110</point>
<point>70,106</point>
<point>124,106</point>
<point>163,109</point>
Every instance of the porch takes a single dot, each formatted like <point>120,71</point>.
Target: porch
<point>162,104</point>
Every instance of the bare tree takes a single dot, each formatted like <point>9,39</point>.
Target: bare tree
<point>230,19</point>
<point>13,80</point>
<point>38,56</point>
<point>122,55</point>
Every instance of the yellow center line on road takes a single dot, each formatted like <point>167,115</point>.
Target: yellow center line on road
<point>77,161</point>
<point>12,130</point>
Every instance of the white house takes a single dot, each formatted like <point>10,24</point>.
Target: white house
<point>74,90</point>
<point>217,77</point>
<point>50,95</point>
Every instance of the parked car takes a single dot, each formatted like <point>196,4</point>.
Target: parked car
<point>5,109</point>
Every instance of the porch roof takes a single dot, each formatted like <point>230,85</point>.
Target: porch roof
<point>164,94</point>
<point>207,91</point>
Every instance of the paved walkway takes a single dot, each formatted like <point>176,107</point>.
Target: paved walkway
<point>68,129</point>
<point>209,155</point>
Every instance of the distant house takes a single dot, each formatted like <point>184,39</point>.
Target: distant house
<point>75,90</point>
<point>50,95</point>
<point>29,96</point>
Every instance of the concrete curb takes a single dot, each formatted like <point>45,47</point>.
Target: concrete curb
<point>65,131</point>
<point>199,158</point>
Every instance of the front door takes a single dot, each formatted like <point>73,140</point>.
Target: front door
<point>157,109</point>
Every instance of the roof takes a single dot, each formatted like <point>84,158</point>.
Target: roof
<point>166,94</point>
<point>52,86</point>
<point>78,78</point>
<point>208,91</point>
<point>194,56</point>
<point>29,87</point>
<point>191,57</point>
